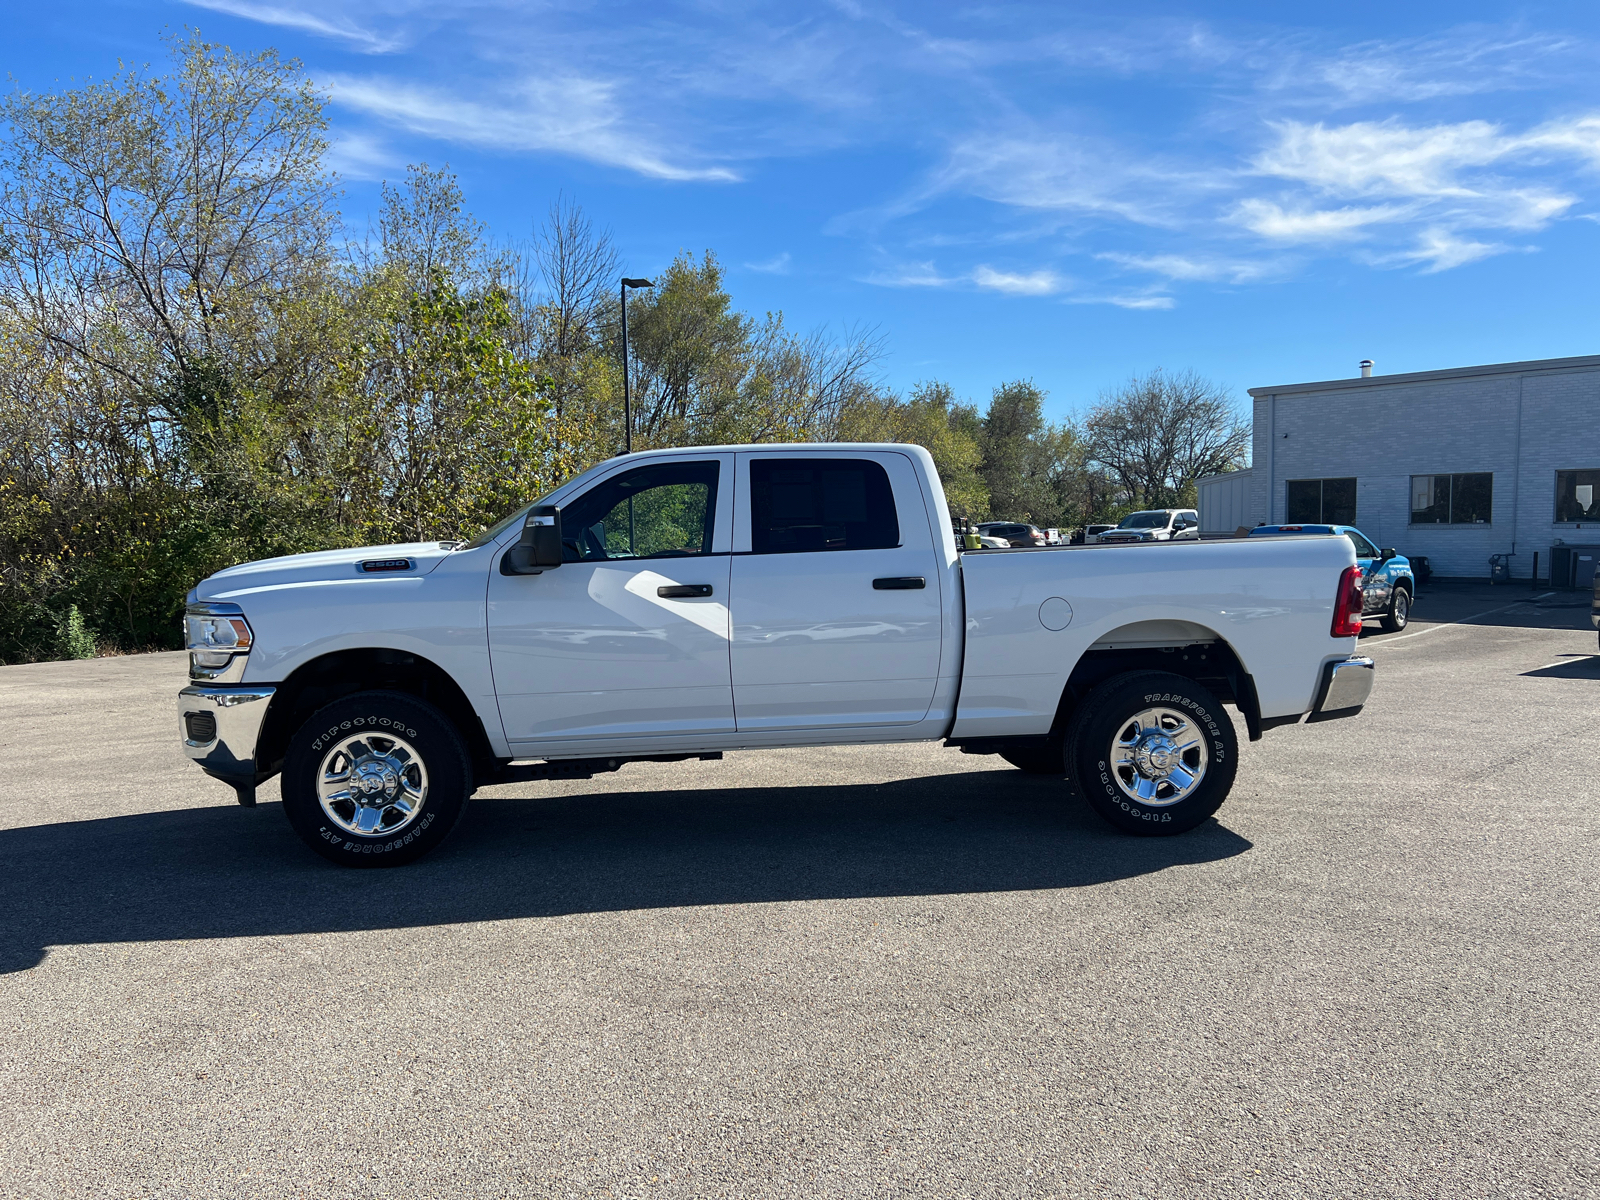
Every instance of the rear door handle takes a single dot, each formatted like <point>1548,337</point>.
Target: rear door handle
<point>679,591</point>
<point>899,583</point>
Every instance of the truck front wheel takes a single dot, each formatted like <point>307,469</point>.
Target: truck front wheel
<point>376,779</point>
<point>1154,753</point>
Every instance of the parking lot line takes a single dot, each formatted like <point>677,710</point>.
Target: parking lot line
<point>1447,624</point>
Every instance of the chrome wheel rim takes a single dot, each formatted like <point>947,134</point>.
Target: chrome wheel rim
<point>372,784</point>
<point>1158,757</point>
<point>1402,609</point>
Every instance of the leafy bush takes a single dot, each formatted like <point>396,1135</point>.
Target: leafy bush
<point>74,638</point>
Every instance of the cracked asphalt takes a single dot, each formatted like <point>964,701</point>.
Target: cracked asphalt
<point>861,972</point>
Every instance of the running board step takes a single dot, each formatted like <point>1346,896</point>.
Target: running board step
<point>584,768</point>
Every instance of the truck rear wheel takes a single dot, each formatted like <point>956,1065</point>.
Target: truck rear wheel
<point>1154,752</point>
<point>376,779</point>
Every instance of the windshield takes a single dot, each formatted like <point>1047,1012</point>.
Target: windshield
<point>503,524</point>
<point>1144,520</point>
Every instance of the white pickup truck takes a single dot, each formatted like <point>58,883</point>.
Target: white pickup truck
<point>677,604</point>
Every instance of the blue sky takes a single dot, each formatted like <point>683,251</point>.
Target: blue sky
<point>1072,193</point>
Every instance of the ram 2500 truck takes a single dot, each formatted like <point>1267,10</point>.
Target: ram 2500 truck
<point>675,604</point>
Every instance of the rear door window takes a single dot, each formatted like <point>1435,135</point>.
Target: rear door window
<point>801,505</point>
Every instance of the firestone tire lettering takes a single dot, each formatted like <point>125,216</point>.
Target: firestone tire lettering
<point>436,740</point>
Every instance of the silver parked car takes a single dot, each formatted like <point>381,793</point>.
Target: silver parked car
<point>1155,525</point>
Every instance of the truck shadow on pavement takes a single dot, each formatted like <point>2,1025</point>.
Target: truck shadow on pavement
<point>235,872</point>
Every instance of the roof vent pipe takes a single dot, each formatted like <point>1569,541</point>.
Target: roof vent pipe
<point>1366,368</point>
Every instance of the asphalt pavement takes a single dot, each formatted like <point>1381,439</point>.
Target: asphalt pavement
<point>860,972</point>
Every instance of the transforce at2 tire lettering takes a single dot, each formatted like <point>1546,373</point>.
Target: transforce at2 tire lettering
<point>377,779</point>
<point>1154,753</point>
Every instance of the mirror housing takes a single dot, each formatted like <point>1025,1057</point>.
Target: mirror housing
<point>540,547</point>
<point>1388,552</point>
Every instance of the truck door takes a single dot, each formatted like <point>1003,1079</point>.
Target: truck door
<point>836,603</point>
<point>630,634</point>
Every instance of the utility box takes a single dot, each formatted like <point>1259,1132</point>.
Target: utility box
<point>1573,566</point>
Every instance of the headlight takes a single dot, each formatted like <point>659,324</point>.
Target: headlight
<point>214,635</point>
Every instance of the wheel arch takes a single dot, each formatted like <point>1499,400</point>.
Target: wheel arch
<point>1210,662</point>
<point>340,673</point>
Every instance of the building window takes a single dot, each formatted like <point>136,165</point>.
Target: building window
<point>1578,495</point>
<point>1452,499</point>
<point>1320,502</point>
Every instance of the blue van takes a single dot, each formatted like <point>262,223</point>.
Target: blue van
<point>1388,585</point>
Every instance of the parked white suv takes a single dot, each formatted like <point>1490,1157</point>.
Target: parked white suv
<point>1155,525</point>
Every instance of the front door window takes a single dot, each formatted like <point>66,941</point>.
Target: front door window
<point>665,510</point>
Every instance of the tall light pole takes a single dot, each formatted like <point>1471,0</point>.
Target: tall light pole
<point>627,393</point>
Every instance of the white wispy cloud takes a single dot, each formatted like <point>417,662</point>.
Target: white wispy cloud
<point>913,275</point>
<point>361,156</point>
<point>342,30</point>
<point>1443,184</point>
<point>1058,171</point>
<point>1271,220</point>
<point>1033,283</point>
<point>1196,270</point>
<point>1137,302</point>
<point>1439,250</point>
<point>1258,149</point>
<point>570,115</point>
<point>1414,70</point>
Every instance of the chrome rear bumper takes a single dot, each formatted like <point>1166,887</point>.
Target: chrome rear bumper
<point>219,727</point>
<point>1345,688</point>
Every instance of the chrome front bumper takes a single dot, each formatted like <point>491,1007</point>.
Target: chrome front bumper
<point>1345,688</point>
<point>219,727</point>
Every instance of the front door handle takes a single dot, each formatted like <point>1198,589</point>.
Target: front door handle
<point>679,591</point>
<point>899,583</point>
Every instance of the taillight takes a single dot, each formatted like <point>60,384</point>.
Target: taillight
<point>1347,605</point>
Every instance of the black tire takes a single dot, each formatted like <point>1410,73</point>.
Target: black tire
<point>1108,715</point>
<point>1398,615</point>
<point>410,747</point>
<point>1045,758</point>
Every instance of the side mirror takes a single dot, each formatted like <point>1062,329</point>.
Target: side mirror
<point>1388,552</point>
<point>540,547</point>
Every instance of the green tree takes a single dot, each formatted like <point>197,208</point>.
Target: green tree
<point>1023,457</point>
<point>434,425</point>
<point>704,372</point>
<point>932,418</point>
<point>155,233</point>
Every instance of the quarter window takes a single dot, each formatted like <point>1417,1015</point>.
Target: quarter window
<point>1578,495</point>
<point>807,504</point>
<point>1320,502</point>
<point>1452,499</point>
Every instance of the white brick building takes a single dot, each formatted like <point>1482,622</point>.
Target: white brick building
<point>1456,465</point>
